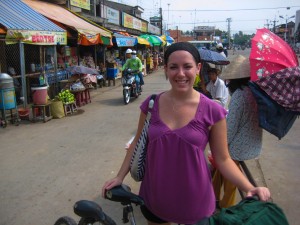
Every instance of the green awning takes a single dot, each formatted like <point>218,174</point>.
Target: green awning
<point>106,40</point>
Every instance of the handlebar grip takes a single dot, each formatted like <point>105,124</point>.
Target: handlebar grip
<point>255,197</point>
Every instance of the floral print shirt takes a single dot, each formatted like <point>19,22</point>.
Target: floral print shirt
<point>244,133</point>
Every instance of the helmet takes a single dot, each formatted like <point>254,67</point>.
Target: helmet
<point>128,51</point>
<point>133,52</point>
<point>219,45</point>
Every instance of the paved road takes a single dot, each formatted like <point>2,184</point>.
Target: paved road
<point>46,167</point>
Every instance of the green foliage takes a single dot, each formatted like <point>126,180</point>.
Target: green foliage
<point>242,39</point>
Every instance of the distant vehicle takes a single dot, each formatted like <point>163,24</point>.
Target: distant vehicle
<point>204,44</point>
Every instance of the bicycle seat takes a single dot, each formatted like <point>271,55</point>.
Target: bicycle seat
<point>89,209</point>
<point>123,194</point>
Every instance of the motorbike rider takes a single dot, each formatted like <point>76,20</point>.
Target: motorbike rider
<point>134,63</point>
<point>220,49</point>
<point>128,53</point>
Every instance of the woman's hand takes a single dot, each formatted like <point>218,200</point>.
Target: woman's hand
<point>110,184</point>
<point>262,192</point>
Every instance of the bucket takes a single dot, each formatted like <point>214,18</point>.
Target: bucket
<point>7,98</point>
<point>39,95</point>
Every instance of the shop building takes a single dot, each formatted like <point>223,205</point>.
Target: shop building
<point>95,35</point>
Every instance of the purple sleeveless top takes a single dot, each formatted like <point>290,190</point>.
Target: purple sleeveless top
<point>177,183</point>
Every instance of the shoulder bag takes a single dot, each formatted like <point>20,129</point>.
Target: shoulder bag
<point>137,164</point>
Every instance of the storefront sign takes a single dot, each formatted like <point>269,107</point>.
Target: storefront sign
<point>144,27</point>
<point>153,29</point>
<point>131,22</point>
<point>205,28</point>
<point>122,42</point>
<point>84,4</point>
<point>112,15</point>
<point>36,37</point>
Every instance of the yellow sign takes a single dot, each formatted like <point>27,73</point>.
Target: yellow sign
<point>84,4</point>
<point>144,27</point>
<point>36,37</point>
<point>131,22</point>
<point>127,20</point>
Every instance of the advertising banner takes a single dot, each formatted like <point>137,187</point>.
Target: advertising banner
<point>36,37</point>
<point>112,15</point>
<point>131,22</point>
<point>144,27</point>
<point>153,29</point>
<point>84,4</point>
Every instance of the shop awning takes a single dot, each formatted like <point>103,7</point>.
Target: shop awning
<point>89,34</point>
<point>168,39</point>
<point>124,41</point>
<point>153,39</point>
<point>25,24</point>
<point>143,41</point>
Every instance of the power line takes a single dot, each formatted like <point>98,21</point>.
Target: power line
<point>221,21</point>
<point>228,10</point>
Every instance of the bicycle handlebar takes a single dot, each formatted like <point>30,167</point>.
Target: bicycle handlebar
<point>123,195</point>
<point>91,212</point>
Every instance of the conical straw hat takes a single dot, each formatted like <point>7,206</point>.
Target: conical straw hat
<point>238,68</point>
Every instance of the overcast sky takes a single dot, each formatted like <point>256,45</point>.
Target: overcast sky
<point>246,15</point>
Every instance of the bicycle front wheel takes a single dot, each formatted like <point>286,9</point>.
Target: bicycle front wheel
<point>65,220</point>
<point>88,221</point>
<point>91,221</point>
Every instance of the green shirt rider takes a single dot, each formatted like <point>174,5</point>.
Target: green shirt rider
<point>134,63</point>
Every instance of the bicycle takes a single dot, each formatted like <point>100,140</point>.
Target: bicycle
<point>90,212</point>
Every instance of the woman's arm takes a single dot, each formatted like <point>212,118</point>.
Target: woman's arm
<point>125,167</point>
<point>219,149</point>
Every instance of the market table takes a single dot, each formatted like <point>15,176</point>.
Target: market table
<point>82,96</point>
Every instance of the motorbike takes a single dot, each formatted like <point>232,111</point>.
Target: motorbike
<point>131,85</point>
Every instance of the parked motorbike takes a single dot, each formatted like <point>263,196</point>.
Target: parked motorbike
<point>131,85</point>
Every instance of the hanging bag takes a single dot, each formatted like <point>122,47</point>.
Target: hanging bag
<point>137,163</point>
<point>250,211</point>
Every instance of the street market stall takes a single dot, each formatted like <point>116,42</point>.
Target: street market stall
<point>28,45</point>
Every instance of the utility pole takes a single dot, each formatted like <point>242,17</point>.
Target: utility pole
<point>168,16</point>
<point>228,30</point>
<point>177,33</point>
<point>267,24</point>
<point>274,24</point>
<point>161,19</point>
<point>286,27</point>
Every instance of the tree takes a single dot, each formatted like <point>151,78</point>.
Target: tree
<point>242,39</point>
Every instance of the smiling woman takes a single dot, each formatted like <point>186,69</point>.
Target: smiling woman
<point>182,122</point>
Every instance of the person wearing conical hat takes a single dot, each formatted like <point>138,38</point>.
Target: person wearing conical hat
<point>244,135</point>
